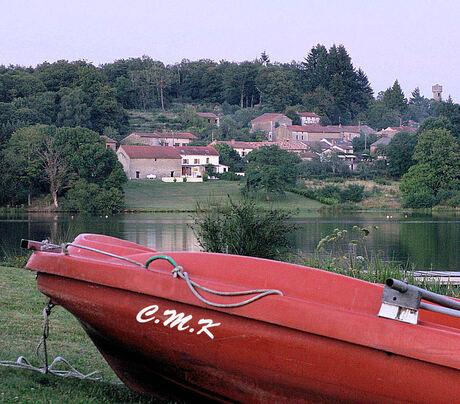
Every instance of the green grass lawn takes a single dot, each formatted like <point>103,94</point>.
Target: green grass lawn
<point>21,326</point>
<point>148,195</point>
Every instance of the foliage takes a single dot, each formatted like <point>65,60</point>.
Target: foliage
<point>243,229</point>
<point>419,200</point>
<point>438,164</point>
<point>271,169</point>
<point>230,157</point>
<point>400,153</point>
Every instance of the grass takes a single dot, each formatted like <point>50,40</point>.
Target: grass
<point>21,323</point>
<point>157,196</point>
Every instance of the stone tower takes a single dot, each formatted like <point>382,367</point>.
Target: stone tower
<point>437,90</point>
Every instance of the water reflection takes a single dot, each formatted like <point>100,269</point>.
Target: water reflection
<point>429,241</point>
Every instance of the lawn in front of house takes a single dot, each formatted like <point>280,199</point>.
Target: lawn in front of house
<point>151,195</point>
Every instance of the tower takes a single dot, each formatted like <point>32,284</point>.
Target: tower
<point>437,90</point>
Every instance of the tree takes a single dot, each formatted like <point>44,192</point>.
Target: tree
<point>271,169</point>
<point>230,157</point>
<point>438,165</point>
<point>400,153</point>
<point>393,98</point>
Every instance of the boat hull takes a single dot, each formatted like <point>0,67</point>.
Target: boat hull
<point>236,358</point>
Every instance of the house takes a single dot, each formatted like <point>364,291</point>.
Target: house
<point>141,161</point>
<point>268,122</point>
<point>109,143</point>
<point>309,133</point>
<point>159,138</point>
<point>308,118</point>
<point>209,117</point>
<point>196,158</point>
<point>392,130</point>
<point>242,148</point>
<point>337,145</point>
<point>380,144</point>
<point>292,146</point>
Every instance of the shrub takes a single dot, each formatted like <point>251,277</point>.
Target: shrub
<point>243,229</point>
<point>419,201</point>
<point>229,176</point>
<point>382,181</point>
<point>352,193</point>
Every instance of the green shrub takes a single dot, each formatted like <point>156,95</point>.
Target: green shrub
<point>243,229</point>
<point>419,201</point>
<point>352,193</point>
<point>229,176</point>
<point>382,181</point>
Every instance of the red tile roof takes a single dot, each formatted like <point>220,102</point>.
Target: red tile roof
<point>308,114</point>
<point>150,152</point>
<point>267,117</point>
<point>291,145</point>
<point>244,145</point>
<point>169,135</point>
<point>197,150</point>
<point>108,140</point>
<point>207,115</point>
<point>315,129</point>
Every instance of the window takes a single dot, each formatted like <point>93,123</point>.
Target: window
<point>176,144</point>
<point>185,161</point>
<point>196,161</point>
<point>138,174</point>
<point>207,160</point>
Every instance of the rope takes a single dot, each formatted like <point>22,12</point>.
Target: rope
<point>179,272</point>
<point>43,368</point>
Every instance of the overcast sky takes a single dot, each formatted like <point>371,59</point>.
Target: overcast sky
<point>414,41</point>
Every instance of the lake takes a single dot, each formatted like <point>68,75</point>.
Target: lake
<point>429,241</point>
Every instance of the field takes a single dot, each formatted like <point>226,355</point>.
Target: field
<point>148,195</point>
<point>21,327</point>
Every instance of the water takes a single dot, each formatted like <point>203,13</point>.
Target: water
<point>428,241</point>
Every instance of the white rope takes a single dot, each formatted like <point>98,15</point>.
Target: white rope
<point>23,363</point>
<point>179,272</point>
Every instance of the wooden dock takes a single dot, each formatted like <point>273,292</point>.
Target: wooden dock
<point>443,277</point>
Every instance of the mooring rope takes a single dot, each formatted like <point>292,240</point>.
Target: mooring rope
<point>178,271</point>
<point>43,367</point>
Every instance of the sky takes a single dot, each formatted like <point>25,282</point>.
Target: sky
<point>416,42</point>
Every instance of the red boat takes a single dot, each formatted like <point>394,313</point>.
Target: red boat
<point>306,336</point>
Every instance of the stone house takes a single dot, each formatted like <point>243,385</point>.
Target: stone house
<point>308,118</point>
<point>268,122</point>
<point>109,143</point>
<point>196,158</point>
<point>159,138</point>
<point>209,118</point>
<point>309,133</point>
<point>242,148</point>
<point>141,161</point>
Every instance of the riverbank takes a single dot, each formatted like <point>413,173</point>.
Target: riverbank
<point>21,306</point>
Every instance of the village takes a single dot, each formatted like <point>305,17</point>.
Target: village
<point>172,157</point>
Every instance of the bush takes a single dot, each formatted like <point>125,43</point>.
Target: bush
<point>382,181</point>
<point>243,229</point>
<point>229,176</point>
<point>329,191</point>
<point>352,193</point>
<point>419,201</point>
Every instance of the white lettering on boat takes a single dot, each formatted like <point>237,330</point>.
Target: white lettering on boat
<point>176,319</point>
<point>181,321</point>
<point>147,311</point>
<point>209,323</point>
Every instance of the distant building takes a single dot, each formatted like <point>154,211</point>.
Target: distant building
<point>159,138</point>
<point>141,161</point>
<point>308,118</point>
<point>109,143</point>
<point>209,117</point>
<point>268,122</point>
<point>196,158</point>
<point>437,91</point>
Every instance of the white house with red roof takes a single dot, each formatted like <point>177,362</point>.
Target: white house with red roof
<point>196,158</point>
<point>159,138</point>
<point>268,122</point>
